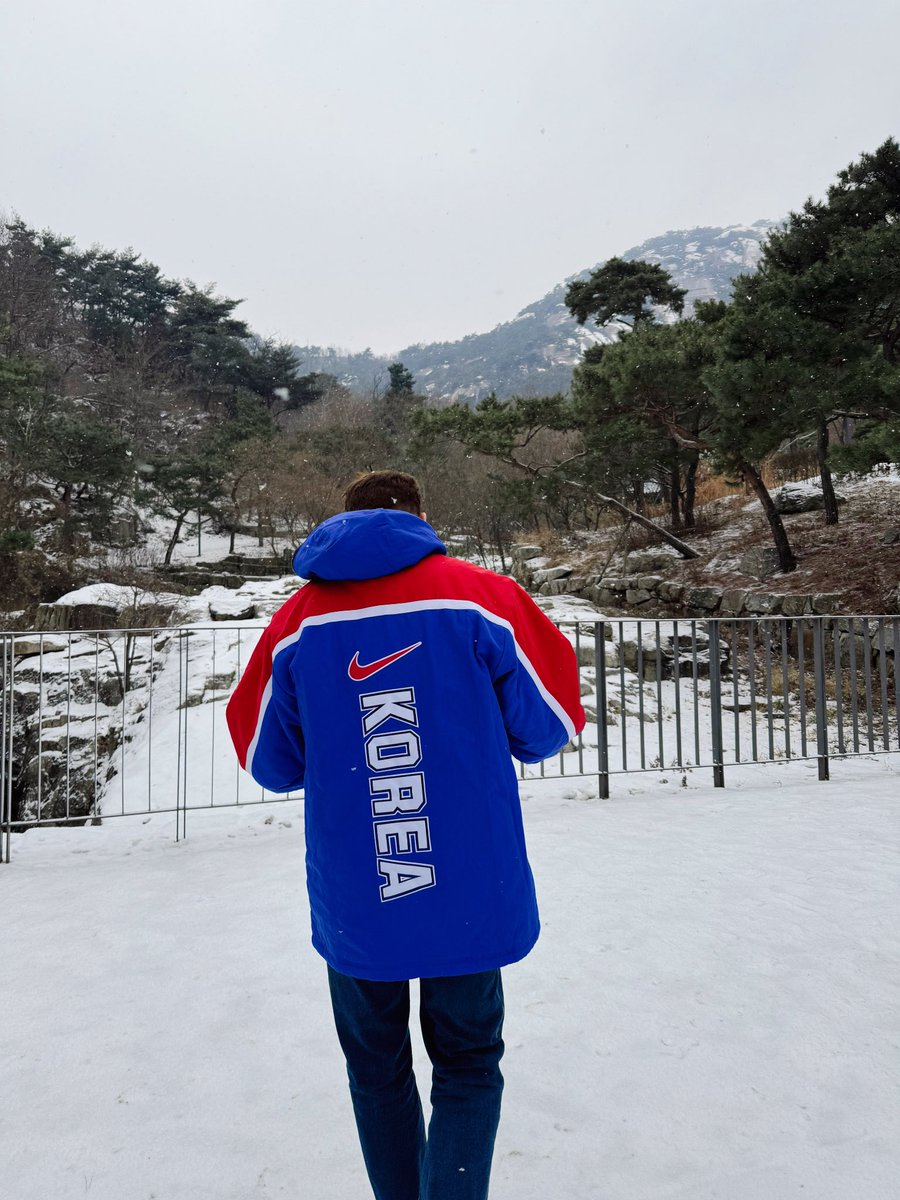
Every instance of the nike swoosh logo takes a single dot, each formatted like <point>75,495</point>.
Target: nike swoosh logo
<point>358,671</point>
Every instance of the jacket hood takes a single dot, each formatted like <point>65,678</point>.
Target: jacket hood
<point>366,544</point>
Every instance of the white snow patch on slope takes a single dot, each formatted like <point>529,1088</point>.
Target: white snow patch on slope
<point>117,596</point>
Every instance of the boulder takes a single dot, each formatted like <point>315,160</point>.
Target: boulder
<point>801,497</point>
<point>796,606</point>
<point>76,616</point>
<point>231,608</point>
<point>673,592</point>
<point>586,648</point>
<point>548,574</point>
<point>852,625</point>
<point>706,598</point>
<point>826,603</point>
<point>734,601</point>
<point>604,597</point>
<point>637,596</point>
<point>763,604</point>
<point>109,690</point>
<point>639,561</point>
<point>860,652</point>
<point>761,562</point>
<point>220,683</point>
<point>25,647</point>
<point>675,655</point>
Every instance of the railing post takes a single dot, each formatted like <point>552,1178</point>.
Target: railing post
<point>187,687</point>
<point>178,725</point>
<point>715,696</point>
<point>602,729</point>
<point>6,654</point>
<point>821,703</point>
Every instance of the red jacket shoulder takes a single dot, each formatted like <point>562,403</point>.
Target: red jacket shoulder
<point>286,618</point>
<point>468,577</point>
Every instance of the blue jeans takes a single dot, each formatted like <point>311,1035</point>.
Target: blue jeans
<point>462,1022</point>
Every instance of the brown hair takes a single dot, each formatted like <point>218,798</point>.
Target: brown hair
<point>384,489</point>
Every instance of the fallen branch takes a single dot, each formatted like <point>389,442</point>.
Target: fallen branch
<point>605,501</point>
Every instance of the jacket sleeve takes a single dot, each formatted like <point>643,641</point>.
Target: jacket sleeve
<point>264,720</point>
<point>535,676</point>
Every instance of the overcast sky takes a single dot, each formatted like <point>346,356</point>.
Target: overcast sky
<point>382,172</point>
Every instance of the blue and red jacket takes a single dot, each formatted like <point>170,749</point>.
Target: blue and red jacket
<point>394,688</point>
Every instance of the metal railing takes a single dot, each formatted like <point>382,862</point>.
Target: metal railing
<point>131,721</point>
<point>684,694</point>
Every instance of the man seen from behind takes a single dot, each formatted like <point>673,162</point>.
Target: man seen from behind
<point>395,688</point>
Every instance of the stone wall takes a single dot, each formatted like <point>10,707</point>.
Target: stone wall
<point>653,593</point>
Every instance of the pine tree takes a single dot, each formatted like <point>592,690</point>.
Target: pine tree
<point>813,340</point>
<point>623,291</point>
<point>402,381</point>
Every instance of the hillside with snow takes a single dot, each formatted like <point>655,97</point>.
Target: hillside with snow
<point>535,351</point>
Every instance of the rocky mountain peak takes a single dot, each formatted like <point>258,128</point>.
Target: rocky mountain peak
<point>535,351</point>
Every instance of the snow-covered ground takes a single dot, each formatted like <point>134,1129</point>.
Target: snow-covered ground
<point>209,547</point>
<point>713,1009</point>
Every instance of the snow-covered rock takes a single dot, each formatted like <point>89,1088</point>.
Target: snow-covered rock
<point>26,647</point>
<point>549,574</point>
<point>801,497</point>
<point>232,608</point>
<point>760,561</point>
<point>107,605</point>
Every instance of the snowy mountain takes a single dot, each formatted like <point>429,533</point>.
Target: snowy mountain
<point>534,353</point>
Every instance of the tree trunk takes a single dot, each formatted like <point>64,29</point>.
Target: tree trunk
<point>68,531</point>
<point>130,653</point>
<point>683,549</point>
<point>786,559</point>
<point>260,531</point>
<point>173,540</point>
<point>637,487</point>
<point>831,504</point>
<point>235,514</point>
<point>675,496</point>
<point>690,490</point>
<point>607,502</point>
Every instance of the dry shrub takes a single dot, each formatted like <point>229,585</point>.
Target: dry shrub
<point>554,543</point>
<point>29,578</point>
<point>712,487</point>
<point>796,461</point>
